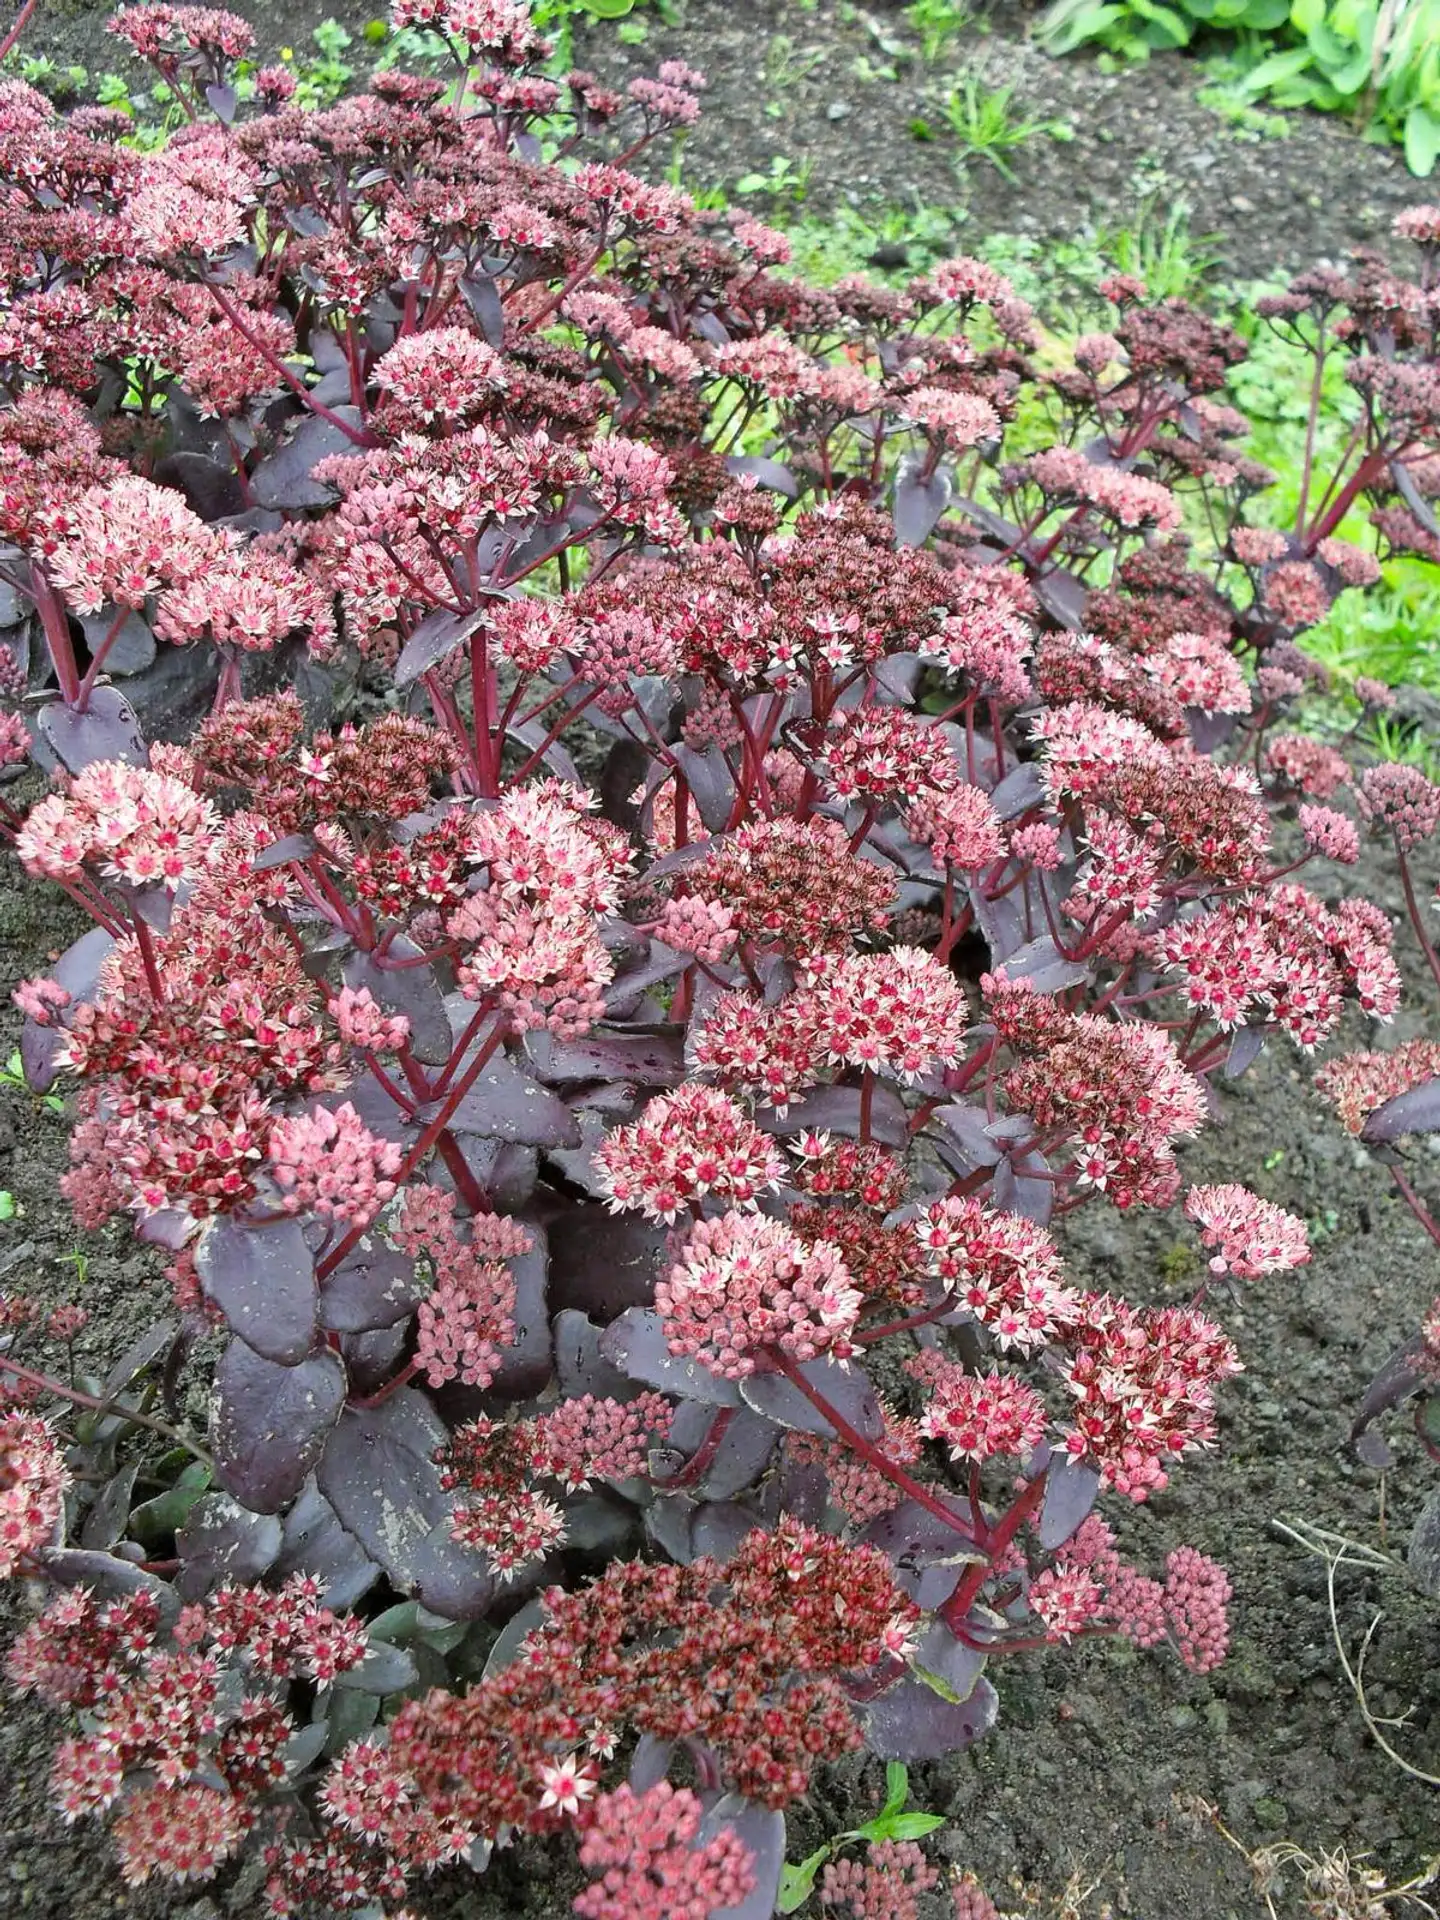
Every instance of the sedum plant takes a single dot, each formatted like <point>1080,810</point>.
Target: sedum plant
<point>611,1105</point>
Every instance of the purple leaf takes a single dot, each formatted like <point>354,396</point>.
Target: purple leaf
<point>1401,1374</point>
<point>375,1286</point>
<point>837,1110</point>
<point>412,991</point>
<point>1063,596</point>
<point>1041,962</point>
<point>711,784</point>
<point>847,1389</point>
<point>509,1175</point>
<point>763,1832</point>
<point>1414,498</point>
<point>600,1523</point>
<point>505,1104</point>
<point>376,1109</point>
<point>295,846</point>
<point>378,1472</point>
<point>667,1524</point>
<point>449,1579</point>
<point>649,1060</point>
<point>437,636</point>
<point>223,1544</point>
<point>650,1762</point>
<point>1070,1494</point>
<point>512,1636</point>
<point>1415,1111</point>
<point>1018,1189</point>
<point>636,1345</point>
<point>531,735</point>
<point>913,1536</point>
<point>1002,923</point>
<point>912,1722</point>
<point>1018,792</point>
<point>1246,1044</point>
<point>263,1280</point>
<point>108,1577</point>
<point>133,647</point>
<point>482,297</point>
<point>107,730</point>
<point>169,1229</point>
<point>142,1352</point>
<point>966,1141</point>
<point>77,970</point>
<point>948,1660</point>
<point>1209,731</point>
<point>283,481</point>
<point>800,1491</point>
<point>222,103</point>
<point>602,1262</point>
<point>580,1366</point>
<point>770,473</point>
<point>742,1455</point>
<point>270,1423</point>
<point>717,1528</point>
<point>919,505</point>
<point>528,1362</point>
<point>316,1544</point>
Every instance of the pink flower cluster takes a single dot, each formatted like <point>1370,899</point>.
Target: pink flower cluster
<point>981,1416</point>
<point>1250,1236</point>
<point>33,1480</point>
<point>690,1145</point>
<point>1001,1268</point>
<point>137,825</point>
<point>743,1283</point>
<point>647,1861</point>
<point>331,1162</point>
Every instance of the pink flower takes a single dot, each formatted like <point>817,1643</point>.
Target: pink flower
<point>33,1480</point>
<point>177,1832</point>
<point>1357,1083</point>
<point>643,1850</point>
<point>956,420</point>
<point>960,828</point>
<point>144,827</point>
<point>333,1163</point>
<point>587,1439</point>
<point>1251,1236</point>
<point>1401,798</point>
<point>1331,834</point>
<point>41,1000</point>
<point>898,1013</point>
<point>1066,1599</point>
<point>1196,1590</point>
<point>688,1145</point>
<point>1295,594</point>
<point>744,1282</point>
<point>1257,546</point>
<point>704,928</point>
<point>445,373</point>
<point>979,1416</point>
<point>363,1023</point>
<point>1202,672</point>
<point>1001,1268</point>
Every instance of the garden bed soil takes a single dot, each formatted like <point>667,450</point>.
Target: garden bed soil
<point>801,82</point>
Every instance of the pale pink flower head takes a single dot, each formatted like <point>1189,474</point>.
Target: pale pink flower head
<point>120,542</point>
<point>1257,546</point>
<point>14,737</point>
<point>956,420</point>
<point>41,1000</point>
<point>333,1163</point>
<point>690,1145</point>
<point>177,1833</point>
<point>1066,1599</point>
<point>1421,225</point>
<point>138,825</point>
<point>1333,835</point>
<point>645,1853</point>
<point>443,374</point>
<point>364,1023</point>
<point>960,828</point>
<point>1356,1084</point>
<point>1373,694</point>
<point>33,1479</point>
<point>1196,1591</point>
<point>1401,798</point>
<point>1250,1236</point>
<point>1295,594</point>
<point>981,1416</point>
<point>743,1282</point>
<point>898,1013</point>
<point>1000,1267</point>
<point>1200,671</point>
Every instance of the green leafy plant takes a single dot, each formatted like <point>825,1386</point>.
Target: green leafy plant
<point>1376,60</point>
<point>939,24</point>
<point>785,181</point>
<point>892,1822</point>
<point>981,121</point>
<point>12,1075</point>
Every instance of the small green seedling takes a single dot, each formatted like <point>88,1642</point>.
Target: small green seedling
<point>12,1074</point>
<point>891,1823</point>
